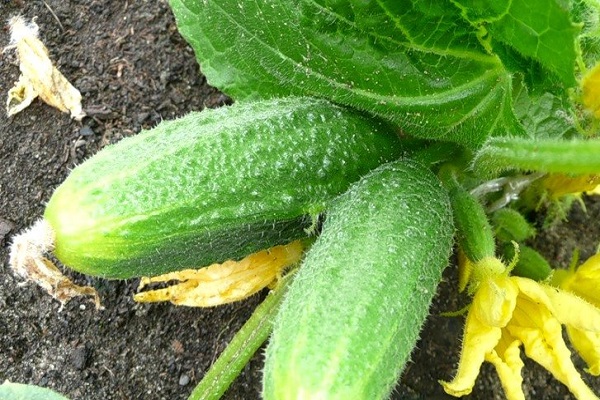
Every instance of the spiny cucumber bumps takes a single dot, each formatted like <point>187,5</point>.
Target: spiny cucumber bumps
<point>354,311</point>
<point>208,187</point>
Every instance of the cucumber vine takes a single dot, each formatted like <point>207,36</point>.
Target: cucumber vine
<point>497,106</point>
<point>485,92</point>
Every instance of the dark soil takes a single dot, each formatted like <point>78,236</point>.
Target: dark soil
<point>134,70</point>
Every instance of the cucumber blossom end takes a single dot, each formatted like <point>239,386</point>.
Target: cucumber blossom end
<point>28,260</point>
<point>223,283</point>
<point>209,187</point>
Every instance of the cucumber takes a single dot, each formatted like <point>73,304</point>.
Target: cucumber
<point>473,230</point>
<point>355,308</point>
<point>212,186</point>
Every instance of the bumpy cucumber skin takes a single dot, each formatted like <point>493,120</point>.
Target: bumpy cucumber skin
<point>474,232</point>
<point>212,186</point>
<point>354,311</point>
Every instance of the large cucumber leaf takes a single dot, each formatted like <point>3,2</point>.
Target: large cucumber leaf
<point>544,115</point>
<point>587,14</point>
<point>419,64</point>
<point>538,29</point>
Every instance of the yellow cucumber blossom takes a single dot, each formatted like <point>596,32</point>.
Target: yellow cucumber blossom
<point>583,282</point>
<point>590,86</point>
<point>510,311</point>
<point>558,185</point>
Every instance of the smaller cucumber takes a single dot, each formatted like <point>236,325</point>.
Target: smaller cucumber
<point>474,232</point>
<point>510,225</point>
<point>355,308</point>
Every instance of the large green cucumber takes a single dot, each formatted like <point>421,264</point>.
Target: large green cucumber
<point>354,311</point>
<point>212,186</point>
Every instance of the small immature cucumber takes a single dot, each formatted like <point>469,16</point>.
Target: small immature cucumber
<point>212,186</point>
<point>510,225</point>
<point>355,308</point>
<point>474,232</point>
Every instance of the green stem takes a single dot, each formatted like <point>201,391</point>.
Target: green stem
<point>545,155</point>
<point>242,347</point>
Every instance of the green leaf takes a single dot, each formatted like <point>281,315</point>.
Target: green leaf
<point>544,115</point>
<point>20,391</point>
<point>416,63</point>
<point>587,14</point>
<point>539,29</point>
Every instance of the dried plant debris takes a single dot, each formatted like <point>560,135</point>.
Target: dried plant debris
<point>27,259</point>
<point>223,283</point>
<point>39,77</point>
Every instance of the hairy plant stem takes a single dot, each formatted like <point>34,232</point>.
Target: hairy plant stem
<point>242,347</point>
<point>545,155</point>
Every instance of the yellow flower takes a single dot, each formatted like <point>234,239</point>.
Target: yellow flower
<point>559,185</point>
<point>223,283</point>
<point>509,311</point>
<point>583,282</point>
<point>591,90</point>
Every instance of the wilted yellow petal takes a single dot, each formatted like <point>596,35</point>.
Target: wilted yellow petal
<point>561,184</point>
<point>591,267</point>
<point>593,191</point>
<point>27,259</point>
<point>567,308</point>
<point>591,90</point>
<point>587,345</point>
<point>20,96</point>
<point>479,339</point>
<point>223,283</point>
<point>508,312</point>
<point>465,267</point>
<point>585,281</point>
<point>38,76</point>
<point>495,301</point>
<point>541,335</point>
<point>506,358</point>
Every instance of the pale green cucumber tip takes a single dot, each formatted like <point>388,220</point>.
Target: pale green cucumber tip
<point>76,232</point>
